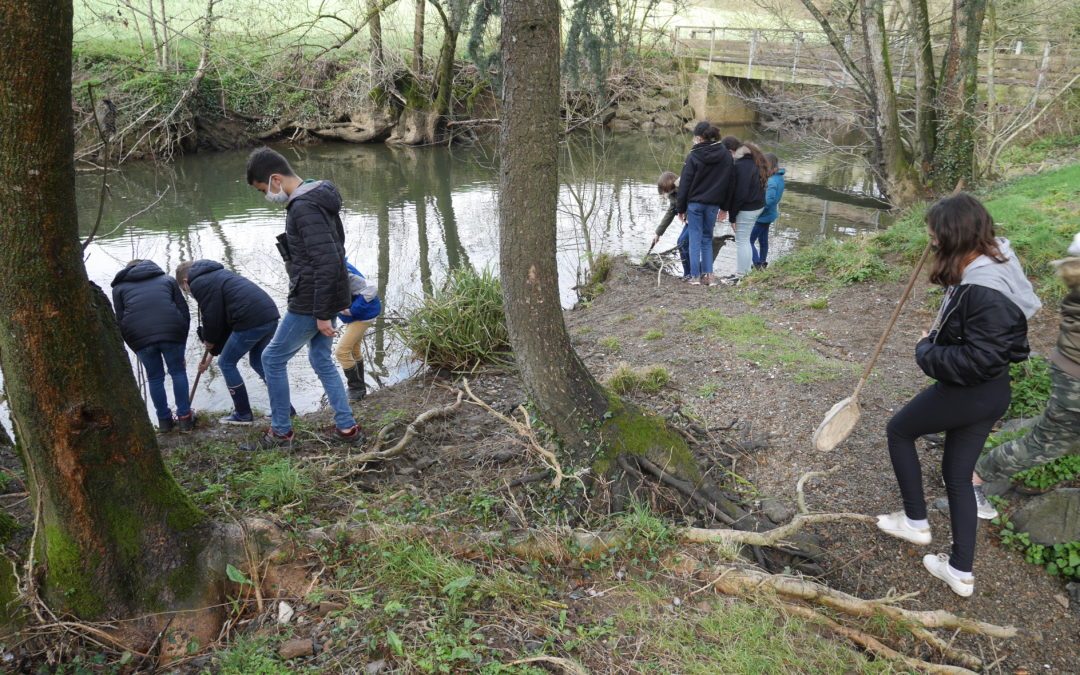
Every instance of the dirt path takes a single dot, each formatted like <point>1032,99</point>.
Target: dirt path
<point>811,359</point>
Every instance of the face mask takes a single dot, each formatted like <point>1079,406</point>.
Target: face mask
<point>275,197</point>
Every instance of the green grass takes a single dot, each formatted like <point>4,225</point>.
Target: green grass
<point>277,483</point>
<point>461,326</point>
<point>610,344</point>
<point>598,274</point>
<point>755,341</point>
<point>821,302</point>
<point>627,380</point>
<point>654,334</point>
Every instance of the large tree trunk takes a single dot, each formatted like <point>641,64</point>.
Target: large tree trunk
<point>444,78</point>
<point>567,395</point>
<point>116,534</point>
<point>925,87</point>
<point>375,28</point>
<point>954,157</point>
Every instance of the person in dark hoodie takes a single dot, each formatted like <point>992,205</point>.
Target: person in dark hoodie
<point>751,174</point>
<point>980,329</point>
<point>704,195</point>
<point>237,317</point>
<point>154,320</point>
<point>313,247</point>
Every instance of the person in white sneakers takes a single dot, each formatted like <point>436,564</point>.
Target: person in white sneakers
<point>980,329</point>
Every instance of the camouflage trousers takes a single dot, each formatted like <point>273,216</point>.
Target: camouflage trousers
<point>1056,433</point>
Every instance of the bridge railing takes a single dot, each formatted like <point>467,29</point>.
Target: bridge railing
<point>800,53</point>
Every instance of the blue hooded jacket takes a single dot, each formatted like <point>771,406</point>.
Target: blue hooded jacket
<point>774,190</point>
<point>360,309</point>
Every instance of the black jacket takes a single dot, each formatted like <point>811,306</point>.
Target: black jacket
<point>318,280</point>
<point>227,302</point>
<point>981,333</point>
<point>149,306</point>
<point>706,177</point>
<point>748,193</point>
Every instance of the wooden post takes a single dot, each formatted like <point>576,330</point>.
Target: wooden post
<point>795,61</point>
<point>753,48</point>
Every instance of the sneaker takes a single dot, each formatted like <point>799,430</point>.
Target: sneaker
<point>186,423</point>
<point>986,509</point>
<point>354,436</point>
<point>896,524</point>
<point>938,565</point>
<point>694,282</point>
<point>730,280</point>
<point>270,440</point>
<point>236,419</point>
<point>166,424</point>
<point>706,280</point>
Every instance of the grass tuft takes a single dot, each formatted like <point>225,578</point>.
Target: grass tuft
<point>627,380</point>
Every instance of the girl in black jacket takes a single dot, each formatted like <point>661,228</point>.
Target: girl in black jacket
<point>980,329</point>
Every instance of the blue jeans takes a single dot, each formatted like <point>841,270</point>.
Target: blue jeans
<point>700,220</point>
<point>155,359</point>
<point>252,342</point>
<point>295,331</point>
<point>744,222</point>
<point>683,245</point>
<point>760,236</point>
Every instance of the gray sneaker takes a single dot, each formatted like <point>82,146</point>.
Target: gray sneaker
<point>986,509</point>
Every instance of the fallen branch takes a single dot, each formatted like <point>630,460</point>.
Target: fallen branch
<point>773,537</point>
<point>567,665</point>
<point>800,498</point>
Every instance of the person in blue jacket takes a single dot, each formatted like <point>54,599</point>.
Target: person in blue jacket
<point>237,317</point>
<point>774,190</point>
<point>154,321</point>
<point>357,319</point>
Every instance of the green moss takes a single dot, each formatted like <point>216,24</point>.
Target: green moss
<point>8,527</point>
<point>68,579</point>
<point>125,529</point>
<point>629,431</point>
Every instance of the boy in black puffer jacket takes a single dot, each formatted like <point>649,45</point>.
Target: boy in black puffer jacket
<point>154,321</point>
<point>313,247</point>
<point>237,318</point>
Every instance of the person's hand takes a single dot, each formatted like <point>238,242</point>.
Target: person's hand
<point>325,327</point>
<point>925,335</point>
<point>721,216</point>
<point>734,227</point>
<point>345,312</point>
<point>205,362</point>
<point>655,239</point>
<point>682,217</point>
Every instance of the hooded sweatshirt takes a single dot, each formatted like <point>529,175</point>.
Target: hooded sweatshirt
<point>707,177</point>
<point>227,302</point>
<point>315,262</point>
<point>748,193</point>
<point>774,190</point>
<point>149,306</point>
<point>982,325</point>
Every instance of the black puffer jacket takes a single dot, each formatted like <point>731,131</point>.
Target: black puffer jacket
<point>748,193</point>
<point>981,333</point>
<point>227,302</point>
<point>149,306</point>
<point>318,280</point>
<point>706,177</point>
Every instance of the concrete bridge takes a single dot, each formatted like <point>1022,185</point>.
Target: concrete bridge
<point>1018,69</point>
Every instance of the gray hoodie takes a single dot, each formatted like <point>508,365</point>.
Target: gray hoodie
<point>1007,278</point>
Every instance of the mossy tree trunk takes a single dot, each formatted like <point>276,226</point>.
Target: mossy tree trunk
<point>954,156</point>
<point>925,87</point>
<point>375,30</point>
<point>117,535</point>
<point>418,37</point>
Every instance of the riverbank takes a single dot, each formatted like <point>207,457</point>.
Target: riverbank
<point>758,363</point>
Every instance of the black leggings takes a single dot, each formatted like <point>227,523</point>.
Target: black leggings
<point>966,415</point>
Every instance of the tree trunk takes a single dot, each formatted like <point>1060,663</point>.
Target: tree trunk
<point>116,533</point>
<point>375,27</point>
<point>567,395</point>
<point>896,161</point>
<point>444,78</point>
<point>418,37</point>
<point>158,46</point>
<point>925,87</point>
<point>954,157</point>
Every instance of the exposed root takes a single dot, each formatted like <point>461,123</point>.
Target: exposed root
<point>800,497</point>
<point>771,537</point>
<point>379,455</point>
<point>869,642</point>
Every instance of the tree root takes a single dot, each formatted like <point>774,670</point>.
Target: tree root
<point>771,537</point>
<point>378,455</point>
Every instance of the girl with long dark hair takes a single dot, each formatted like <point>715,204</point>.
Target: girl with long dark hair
<point>980,329</point>
<point>748,198</point>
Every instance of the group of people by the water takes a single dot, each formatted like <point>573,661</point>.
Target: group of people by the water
<point>239,318</point>
<point>722,179</point>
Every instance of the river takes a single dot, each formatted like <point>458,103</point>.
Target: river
<point>413,214</point>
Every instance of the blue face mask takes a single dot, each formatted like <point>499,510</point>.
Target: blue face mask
<point>275,197</point>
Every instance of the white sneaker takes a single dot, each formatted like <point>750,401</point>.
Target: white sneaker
<point>896,524</point>
<point>938,565</point>
<point>986,509</point>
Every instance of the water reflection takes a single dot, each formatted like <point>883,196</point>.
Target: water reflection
<point>413,214</point>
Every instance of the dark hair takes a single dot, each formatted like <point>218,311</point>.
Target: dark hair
<point>731,143</point>
<point>702,129</point>
<point>182,271</point>
<point>759,159</point>
<point>964,230</point>
<point>263,162</point>
<point>774,162</point>
<point>132,263</point>
<point>666,183</point>
<point>713,134</point>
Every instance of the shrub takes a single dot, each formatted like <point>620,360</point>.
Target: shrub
<point>1030,387</point>
<point>462,325</point>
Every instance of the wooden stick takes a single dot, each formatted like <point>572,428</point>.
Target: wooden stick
<point>198,374</point>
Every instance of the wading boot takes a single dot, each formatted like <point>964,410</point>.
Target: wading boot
<point>241,408</point>
<point>166,424</point>
<point>355,378</point>
<point>186,423</point>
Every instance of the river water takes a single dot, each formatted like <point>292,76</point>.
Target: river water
<point>413,214</point>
